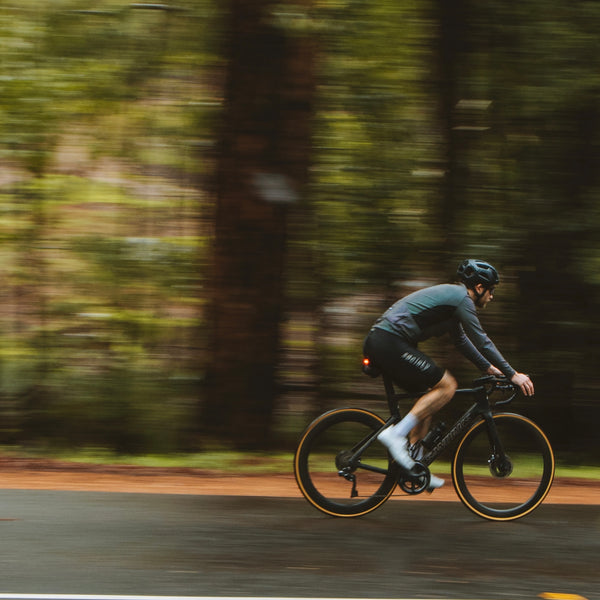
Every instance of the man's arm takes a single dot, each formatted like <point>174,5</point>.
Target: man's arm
<point>467,316</point>
<point>467,349</point>
<point>474,331</point>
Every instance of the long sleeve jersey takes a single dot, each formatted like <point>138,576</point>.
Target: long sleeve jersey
<point>440,309</point>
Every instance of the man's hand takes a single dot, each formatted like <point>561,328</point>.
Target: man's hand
<point>523,381</point>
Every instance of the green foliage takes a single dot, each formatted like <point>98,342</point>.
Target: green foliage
<point>102,252</point>
<point>367,143</point>
<point>107,115</point>
<point>103,355</point>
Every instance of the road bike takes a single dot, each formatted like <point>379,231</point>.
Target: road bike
<point>502,465</point>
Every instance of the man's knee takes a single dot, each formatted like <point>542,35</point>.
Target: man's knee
<point>447,385</point>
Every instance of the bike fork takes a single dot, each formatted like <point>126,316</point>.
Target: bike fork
<point>499,462</point>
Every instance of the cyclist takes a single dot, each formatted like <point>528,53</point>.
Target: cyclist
<point>391,345</point>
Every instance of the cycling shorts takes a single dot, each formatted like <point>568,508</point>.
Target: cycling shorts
<point>409,368</point>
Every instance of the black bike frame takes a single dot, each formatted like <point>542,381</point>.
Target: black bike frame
<point>481,407</point>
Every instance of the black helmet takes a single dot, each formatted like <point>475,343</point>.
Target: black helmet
<point>472,271</point>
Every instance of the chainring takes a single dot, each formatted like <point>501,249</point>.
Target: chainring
<point>416,480</point>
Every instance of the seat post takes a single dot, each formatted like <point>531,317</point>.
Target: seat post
<point>390,394</point>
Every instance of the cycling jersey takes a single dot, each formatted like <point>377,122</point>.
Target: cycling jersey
<point>440,309</point>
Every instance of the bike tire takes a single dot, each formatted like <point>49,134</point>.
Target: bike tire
<point>503,491</point>
<point>324,441</point>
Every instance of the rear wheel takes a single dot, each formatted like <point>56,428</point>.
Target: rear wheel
<point>505,483</point>
<point>339,465</point>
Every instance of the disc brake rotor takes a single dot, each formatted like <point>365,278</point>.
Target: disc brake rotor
<point>500,466</point>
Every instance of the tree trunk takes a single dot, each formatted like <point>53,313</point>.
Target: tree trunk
<point>263,165</point>
<point>452,44</point>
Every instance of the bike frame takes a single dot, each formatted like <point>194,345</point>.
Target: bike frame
<point>481,408</point>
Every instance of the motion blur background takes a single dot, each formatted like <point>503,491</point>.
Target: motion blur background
<point>205,204</point>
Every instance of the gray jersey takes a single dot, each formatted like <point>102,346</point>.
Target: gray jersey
<point>441,309</point>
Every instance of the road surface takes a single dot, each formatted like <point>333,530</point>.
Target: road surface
<point>70,542</point>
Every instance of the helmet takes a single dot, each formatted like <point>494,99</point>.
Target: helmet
<point>472,271</point>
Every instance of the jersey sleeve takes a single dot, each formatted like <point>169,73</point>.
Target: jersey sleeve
<point>481,343</point>
<point>467,349</point>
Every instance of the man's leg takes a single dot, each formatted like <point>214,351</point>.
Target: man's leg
<point>420,431</point>
<point>395,438</point>
<point>417,421</point>
<point>436,398</point>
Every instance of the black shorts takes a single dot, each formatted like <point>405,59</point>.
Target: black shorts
<point>410,368</point>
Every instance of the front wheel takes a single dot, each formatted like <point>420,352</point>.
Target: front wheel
<point>506,482</point>
<point>339,465</point>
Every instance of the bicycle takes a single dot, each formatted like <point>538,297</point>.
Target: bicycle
<point>502,467</point>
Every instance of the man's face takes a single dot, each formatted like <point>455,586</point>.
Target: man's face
<point>485,295</point>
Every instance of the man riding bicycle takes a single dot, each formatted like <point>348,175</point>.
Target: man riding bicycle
<point>391,345</point>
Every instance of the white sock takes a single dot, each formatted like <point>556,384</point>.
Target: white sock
<point>406,425</point>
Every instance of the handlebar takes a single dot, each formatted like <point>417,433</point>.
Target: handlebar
<point>495,381</point>
<point>489,379</point>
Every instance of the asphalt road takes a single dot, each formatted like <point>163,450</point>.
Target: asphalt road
<point>143,544</point>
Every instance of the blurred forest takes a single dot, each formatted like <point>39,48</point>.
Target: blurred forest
<point>205,205</point>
